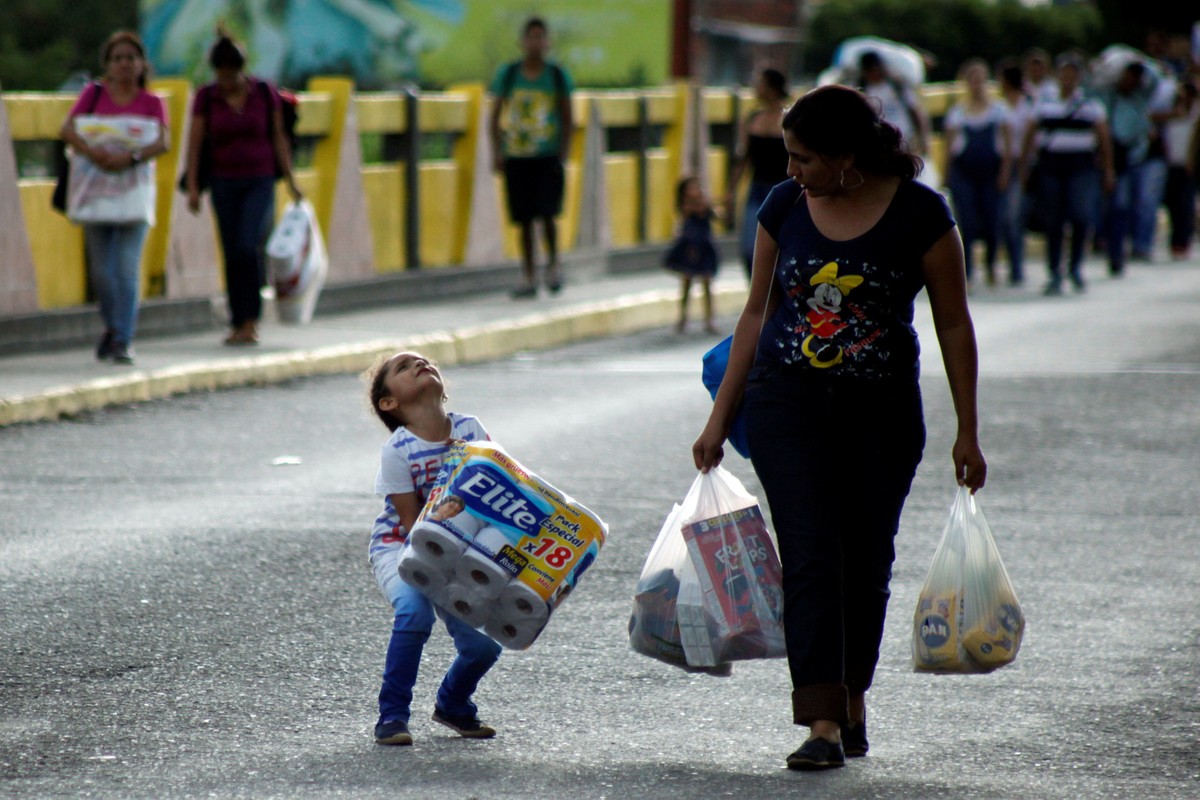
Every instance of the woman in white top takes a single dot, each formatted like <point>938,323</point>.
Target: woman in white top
<point>978,154</point>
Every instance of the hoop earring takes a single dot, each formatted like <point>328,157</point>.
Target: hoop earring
<point>842,179</point>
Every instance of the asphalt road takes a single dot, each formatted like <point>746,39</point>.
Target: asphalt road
<point>185,617</point>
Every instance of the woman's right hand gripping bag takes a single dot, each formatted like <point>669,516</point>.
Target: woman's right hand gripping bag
<point>968,618</point>
<point>711,591</point>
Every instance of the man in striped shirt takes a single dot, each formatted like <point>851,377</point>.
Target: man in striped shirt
<point>1066,160</point>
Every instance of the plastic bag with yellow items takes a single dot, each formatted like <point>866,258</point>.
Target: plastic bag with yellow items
<point>968,618</point>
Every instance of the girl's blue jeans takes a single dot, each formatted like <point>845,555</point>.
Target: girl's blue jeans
<point>413,622</point>
<point>114,258</point>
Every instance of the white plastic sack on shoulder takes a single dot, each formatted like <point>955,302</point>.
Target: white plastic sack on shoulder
<point>95,195</point>
<point>1112,61</point>
<point>968,618</point>
<point>297,263</point>
<point>904,63</point>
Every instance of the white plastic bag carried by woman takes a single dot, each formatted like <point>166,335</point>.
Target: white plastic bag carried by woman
<point>297,262</point>
<point>710,592</point>
<point>968,618</point>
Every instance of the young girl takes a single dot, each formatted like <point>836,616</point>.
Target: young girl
<point>408,396</point>
<point>693,254</point>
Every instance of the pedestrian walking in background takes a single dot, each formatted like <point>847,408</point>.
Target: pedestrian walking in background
<point>759,149</point>
<point>114,248</point>
<point>533,97</point>
<point>899,101</point>
<point>693,254</point>
<point>237,147</point>
<point>1181,142</point>
<point>1013,202</point>
<point>1039,80</point>
<point>408,395</point>
<point>977,138</point>
<point>1127,103</point>
<point>1063,147</point>
<point>824,364</point>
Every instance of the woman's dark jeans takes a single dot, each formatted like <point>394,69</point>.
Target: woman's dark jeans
<point>836,459</point>
<point>245,209</point>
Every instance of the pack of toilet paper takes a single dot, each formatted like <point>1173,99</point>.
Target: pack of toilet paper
<point>497,546</point>
<point>968,618</point>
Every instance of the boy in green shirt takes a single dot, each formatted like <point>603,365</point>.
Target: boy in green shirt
<point>534,97</point>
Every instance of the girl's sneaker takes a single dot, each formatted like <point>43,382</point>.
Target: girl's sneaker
<point>467,727</point>
<point>394,732</point>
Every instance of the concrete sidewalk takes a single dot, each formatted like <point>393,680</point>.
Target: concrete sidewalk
<point>454,330</point>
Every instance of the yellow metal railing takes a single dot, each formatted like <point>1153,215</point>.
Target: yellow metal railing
<point>434,230</point>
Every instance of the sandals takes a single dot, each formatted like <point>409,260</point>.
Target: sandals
<point>242,335</point>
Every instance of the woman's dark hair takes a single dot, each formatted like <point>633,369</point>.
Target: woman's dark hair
<point>681,189</point>
<point>535,22</point>
<point>837,120</point>
<point>133,40</point>
<point>775,81</point>
<point>226,53</point>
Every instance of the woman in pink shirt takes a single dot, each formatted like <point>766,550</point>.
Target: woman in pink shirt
<point>115,250</point>
<point>238,118</point>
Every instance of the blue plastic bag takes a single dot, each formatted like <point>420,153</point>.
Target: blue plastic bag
<point>715,361</point>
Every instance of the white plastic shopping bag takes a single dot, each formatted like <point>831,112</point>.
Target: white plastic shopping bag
<point>126,197</point>
<point>710,591</point>
<point>297,263</point>
<point>968,618</point>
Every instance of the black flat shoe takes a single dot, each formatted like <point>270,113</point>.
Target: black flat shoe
<point>104,349</point>
<point>854,740</point>
<point>817,753</point>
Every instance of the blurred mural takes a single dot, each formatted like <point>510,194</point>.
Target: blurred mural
<point>384,44</point>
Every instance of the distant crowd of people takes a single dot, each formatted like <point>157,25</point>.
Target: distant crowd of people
<point>1083,151</point>
<point>1073,148</point>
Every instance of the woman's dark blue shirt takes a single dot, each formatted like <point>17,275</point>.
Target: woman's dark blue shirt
<point>846,307</point>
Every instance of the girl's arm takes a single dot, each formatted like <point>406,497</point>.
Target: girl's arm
<point>946,284</point>
<point>408,507</point>
<point>707,450</point>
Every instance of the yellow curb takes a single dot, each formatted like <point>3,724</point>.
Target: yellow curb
<point>470,345</point>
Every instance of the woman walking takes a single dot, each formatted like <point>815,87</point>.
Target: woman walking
<point>238,119</point>
<point>825,362</point>
<point>114,247</point>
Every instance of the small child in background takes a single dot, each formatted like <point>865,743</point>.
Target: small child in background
<point>408,396</point>
<point>693,254</point>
